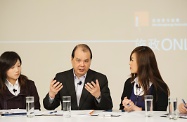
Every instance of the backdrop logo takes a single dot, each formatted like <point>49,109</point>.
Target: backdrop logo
<point>164,44</point>
<point>141,19</point>
<point>168,22</point>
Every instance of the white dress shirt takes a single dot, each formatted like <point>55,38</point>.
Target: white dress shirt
<point>139,91</point>
<point>79,86</point>
<point>14,89</point>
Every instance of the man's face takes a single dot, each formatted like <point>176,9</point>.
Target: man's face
<point>81,62</point>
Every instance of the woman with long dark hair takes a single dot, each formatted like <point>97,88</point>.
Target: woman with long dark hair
<point>145,80</point>
<point>14,86</point>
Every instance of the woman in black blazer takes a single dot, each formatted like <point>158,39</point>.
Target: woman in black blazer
<point>145,80</point>
<point>14,86</point>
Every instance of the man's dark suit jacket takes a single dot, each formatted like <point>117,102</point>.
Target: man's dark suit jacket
<point>87,101</point>
<point>160,99</point>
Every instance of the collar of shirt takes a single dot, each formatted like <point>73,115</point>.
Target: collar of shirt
<point>139,91</point>
<point>77,80</point>
<point>79,87</point>
<point>10,87</point>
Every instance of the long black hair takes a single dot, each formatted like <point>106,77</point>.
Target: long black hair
<point>148,70</point>
<point>7,60</point>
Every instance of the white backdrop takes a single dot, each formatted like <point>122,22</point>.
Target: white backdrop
<point>44,33</point>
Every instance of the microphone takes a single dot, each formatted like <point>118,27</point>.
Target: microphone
<point>14,90</point>
<point>137,86</point>
<point>79,83</point>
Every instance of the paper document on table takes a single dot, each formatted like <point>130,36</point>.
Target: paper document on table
<point>86,112</point>
<point>99,113</point>
<point>49,113</point>
<point>111,114</point>
<point>184,116</point>
<point>81,112</point>
<point>12,112</point>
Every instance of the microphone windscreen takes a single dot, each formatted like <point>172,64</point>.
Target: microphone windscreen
<point>79,83</point>
<point>14,90</point>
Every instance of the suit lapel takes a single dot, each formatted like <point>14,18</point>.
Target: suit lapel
<point>71,89</point>
<point>85,93</point>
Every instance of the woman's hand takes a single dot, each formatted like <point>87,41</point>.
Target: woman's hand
<point>129,105</point>
<point>182,108</point>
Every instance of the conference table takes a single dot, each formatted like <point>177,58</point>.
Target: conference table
<point>96,116</point>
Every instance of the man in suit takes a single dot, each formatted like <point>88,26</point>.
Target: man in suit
<point>88,89</point>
